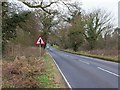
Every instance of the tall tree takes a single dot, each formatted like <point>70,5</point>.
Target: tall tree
<point>9,23</point>
<point>96,23</point>
<point>28,31</point>
<point>75,35</point>
<point>46,22</point>
<point>43,5</point>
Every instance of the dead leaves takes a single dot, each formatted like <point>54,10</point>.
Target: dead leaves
<point>20,72</point>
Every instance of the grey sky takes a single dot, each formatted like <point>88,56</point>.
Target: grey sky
<point>109,5</point>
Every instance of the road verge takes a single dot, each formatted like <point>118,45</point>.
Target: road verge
<point>67,83</point>
<point>107,58</point>
<point>51,78</point>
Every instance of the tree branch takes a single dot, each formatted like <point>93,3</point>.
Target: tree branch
<point>40,6</point>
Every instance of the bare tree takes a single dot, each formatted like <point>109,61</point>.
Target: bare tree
<point>96,23</point>
<point>45,6</point>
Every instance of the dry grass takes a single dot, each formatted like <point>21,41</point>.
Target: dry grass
<point>107,52</point>
<point>12,50</point>
<point>20,72</point>
<point>110,55</point>
<point>25,67</point>
<point>55,78</point>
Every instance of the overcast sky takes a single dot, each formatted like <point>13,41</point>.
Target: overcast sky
<point>109,5</point>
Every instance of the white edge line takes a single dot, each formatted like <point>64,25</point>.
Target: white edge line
<point>108,71</point>
<point>84,62</point>
<point>61,72</point>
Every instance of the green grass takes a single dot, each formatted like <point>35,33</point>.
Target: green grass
<point>48,78</point>
<point>44,80</point>
<point>55,46</point>
<point>109,58</point>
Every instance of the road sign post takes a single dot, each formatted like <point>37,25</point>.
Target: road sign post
<point>40,51</point>
<point>40,41</point>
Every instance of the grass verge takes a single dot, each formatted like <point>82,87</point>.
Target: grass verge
<point>55,46</point>
<point>31,72</point>
<point>108,58</point>
<point>20,72</point>
<point>51,78</point>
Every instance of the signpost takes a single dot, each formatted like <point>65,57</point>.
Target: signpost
<point>40,41</point>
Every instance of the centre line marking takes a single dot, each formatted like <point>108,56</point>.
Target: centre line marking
<point>108,71</point>
<point>84,62</point>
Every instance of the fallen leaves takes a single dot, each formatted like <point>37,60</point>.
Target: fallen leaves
<point>20,72</point>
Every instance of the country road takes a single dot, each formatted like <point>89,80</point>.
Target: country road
<point>86,72</point>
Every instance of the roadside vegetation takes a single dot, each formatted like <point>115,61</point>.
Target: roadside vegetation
<point>75,30</point>
<point>55,46</point>
<point>20,73</point>
<point>101,55</point>
<point>90,33</point>
<point>31,72</point>
<point>51,78</point>
<point>24,65</point>
<point>109,55</point>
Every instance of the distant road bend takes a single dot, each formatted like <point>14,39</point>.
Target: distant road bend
<point>86,72</point>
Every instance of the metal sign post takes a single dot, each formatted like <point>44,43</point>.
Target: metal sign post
<point>40,42</point>
<point>40,51</point>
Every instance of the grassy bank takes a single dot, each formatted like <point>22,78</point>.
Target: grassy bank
<point>31,72</point>
<point>51,78</point>
<point>55,46</point>
<point>20,72</point>
<point>109,58</point>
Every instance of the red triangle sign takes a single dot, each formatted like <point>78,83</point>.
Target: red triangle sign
<point>40,41</point>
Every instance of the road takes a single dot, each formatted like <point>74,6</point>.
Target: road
<point>86,72</point>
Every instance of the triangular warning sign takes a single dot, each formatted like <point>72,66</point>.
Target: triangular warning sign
<point>40,41</point>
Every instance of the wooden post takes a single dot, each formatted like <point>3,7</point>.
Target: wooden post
<point>40,51</point>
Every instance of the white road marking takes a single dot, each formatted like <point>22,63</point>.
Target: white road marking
<point>108,71</point>
<point>84,62</point>
<point>61,72</point>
